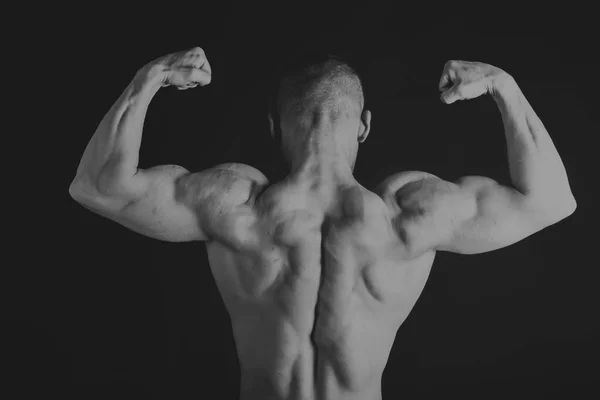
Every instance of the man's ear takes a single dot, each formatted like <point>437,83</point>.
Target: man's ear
<point>365,118</point>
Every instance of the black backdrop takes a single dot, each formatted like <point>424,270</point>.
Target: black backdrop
<point>106,312</point>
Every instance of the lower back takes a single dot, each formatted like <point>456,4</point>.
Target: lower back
<point>281,364</point>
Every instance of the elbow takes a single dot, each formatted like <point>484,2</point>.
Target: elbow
<point>571,206</point>
<point>566,206</point>
<point>560,210</point>
<point>550,209</point>
<point>74,190</point>
<point>80,191</point>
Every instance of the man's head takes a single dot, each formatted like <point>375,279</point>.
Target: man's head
<point>319,94</point>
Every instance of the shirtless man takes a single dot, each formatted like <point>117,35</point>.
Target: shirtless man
<point>317,272</point>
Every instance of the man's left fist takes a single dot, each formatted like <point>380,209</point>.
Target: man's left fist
<point>462,80</point>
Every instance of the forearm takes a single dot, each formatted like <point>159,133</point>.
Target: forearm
<point>536,168</point>
<point>111,157</point>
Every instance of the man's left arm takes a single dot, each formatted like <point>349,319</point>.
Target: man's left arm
<point>477,214</point>
<point>165,202</point>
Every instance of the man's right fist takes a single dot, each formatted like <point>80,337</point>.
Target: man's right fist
<point>186,69</point>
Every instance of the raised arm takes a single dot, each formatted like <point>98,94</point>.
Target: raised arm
<point>165,202</point>
<point>476,214</point>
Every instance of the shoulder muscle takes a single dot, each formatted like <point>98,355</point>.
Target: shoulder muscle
<point>220,192</point>
<point>425,208</point>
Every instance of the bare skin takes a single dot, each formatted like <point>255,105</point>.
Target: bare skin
<point>317,272</point>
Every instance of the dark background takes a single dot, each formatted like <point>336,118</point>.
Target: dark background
<point>99,311</point>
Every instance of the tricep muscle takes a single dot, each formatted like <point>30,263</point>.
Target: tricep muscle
<point>151,204</point>
<point>473,215</point>
<point>169,203</point>
<point>498,217</point>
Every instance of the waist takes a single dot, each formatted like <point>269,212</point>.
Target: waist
<point>259,386</point>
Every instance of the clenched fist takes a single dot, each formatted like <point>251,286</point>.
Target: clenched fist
<point>462,80</point>
<point>185,69</point>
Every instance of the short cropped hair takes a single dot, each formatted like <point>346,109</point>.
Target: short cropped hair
<point>323,81</point>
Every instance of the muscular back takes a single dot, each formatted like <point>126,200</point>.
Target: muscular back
<point>318,280</point>
<point>316,290</point>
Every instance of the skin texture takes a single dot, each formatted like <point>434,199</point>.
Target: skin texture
<point>317,272</point>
